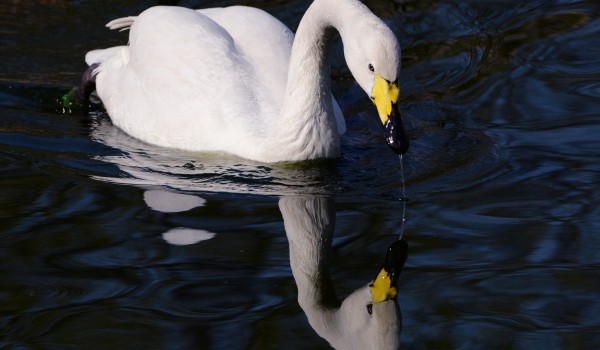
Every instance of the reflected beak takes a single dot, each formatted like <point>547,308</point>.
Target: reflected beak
<point>385,95</point>
<point>384,286</point>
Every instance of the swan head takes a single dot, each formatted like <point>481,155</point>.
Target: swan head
<point>373,56</point>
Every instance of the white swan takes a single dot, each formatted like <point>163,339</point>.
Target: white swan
<point>369,317</point>
<point>235,80</point>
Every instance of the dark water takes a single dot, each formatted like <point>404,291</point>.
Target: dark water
<point>109,243</point>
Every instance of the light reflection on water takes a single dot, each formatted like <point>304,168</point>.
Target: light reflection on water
<point>501,100</point>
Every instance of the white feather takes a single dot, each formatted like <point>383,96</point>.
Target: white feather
<point>122,24</point>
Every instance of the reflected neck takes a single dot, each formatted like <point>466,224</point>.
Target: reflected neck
<point>309,225</point>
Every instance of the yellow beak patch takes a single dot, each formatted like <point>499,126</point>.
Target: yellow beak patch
<point>384,95</point>
<point>381,287</point>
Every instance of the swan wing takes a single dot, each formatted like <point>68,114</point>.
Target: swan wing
<point>185,82</point>
<point>267,43</point>
<point>200,80</point>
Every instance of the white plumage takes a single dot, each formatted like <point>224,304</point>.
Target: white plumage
<point>234,79</point>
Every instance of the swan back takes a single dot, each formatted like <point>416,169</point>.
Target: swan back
<point>179,55</point>
<point>265,44</point>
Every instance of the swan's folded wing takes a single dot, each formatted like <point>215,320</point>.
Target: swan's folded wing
<point>266,45</point>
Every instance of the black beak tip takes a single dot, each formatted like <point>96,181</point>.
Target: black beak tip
<point>394,134</point>
<point>400,147</point>
<point>395,258</point>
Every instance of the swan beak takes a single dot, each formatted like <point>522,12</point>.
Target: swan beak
<point>385,95</point>
<point>384,286</point>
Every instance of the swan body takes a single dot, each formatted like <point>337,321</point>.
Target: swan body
<point>235,79</point>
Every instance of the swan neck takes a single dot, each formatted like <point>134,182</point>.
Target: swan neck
<point>307,128</point>
<point>310,57</point>
<point>307,123</point>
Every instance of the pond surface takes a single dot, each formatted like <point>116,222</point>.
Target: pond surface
<point>108,243</point>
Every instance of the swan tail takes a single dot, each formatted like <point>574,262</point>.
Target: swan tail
<point>101,55</point>
<point>121,24</point>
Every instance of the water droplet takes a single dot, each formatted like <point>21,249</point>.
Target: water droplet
<point>402,199</point>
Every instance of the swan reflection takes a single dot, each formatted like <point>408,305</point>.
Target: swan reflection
<point>152,167</point>
<point>360,321</point>
<point>186,236</point>
<point>172,202</point>
<point>369,318</point>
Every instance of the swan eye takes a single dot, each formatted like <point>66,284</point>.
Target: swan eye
<point>371,68</point>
